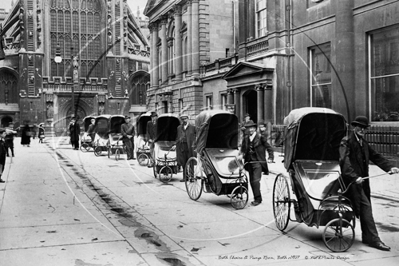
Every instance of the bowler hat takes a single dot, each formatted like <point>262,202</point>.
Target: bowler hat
<point>361,121</point>
<point>183,115</point>
<point>261,122</point>
<point>250,123</point>
<point>247,115</point>
<point>153,114</point>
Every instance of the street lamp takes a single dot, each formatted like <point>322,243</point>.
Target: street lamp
<point>58,58</point>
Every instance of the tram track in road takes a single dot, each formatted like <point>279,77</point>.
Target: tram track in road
<point>123,217</point>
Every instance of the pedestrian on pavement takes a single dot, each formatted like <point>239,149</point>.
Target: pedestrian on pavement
<point>91,130</point>
<point>26,133</point>
<point>9,140</point>
<point>128,137</point>
<point>2,152</point>
<point>41,133</point>
<point>253,150</point>
<point>355,154</point>
<point>74,133</point>
<point>184,142</point>
<point>151,134</point>
<point>263,132</point>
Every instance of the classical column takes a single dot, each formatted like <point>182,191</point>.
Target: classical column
<point>195,38</point>
<point>178,43</point>
<point>344,63</point>
<point>237,102</point>
<point>230,96</point>
<point>154,55</point>
<point>260,96</point>
<point>164,45</point>
<point>189,38</point>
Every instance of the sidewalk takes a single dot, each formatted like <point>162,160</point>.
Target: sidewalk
<point>46,218</point>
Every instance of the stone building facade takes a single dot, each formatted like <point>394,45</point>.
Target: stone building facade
<point>184,35</point>
<point>104,66</point>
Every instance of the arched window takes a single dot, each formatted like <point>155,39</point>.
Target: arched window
<point>79,25</point>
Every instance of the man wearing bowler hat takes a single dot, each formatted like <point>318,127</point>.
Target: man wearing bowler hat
<point>355,154</point>
<point>253,149</point>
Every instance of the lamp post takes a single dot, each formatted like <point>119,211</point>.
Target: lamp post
<point>75,73</point>
<point>75,77</point>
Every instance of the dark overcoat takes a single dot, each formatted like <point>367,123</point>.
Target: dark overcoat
<point>260,146</point>
<point>354,162</point>
<point>189,133</point>
<point>74,131</point>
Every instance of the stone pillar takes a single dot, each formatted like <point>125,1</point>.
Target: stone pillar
<point>164,47</point>
<point>237,102</point>
<point>260,97</point>
<point>344,63</point>
<point>195,63</point>
<point>178,43</point>
<point>189,38</point>
<point>230,97</point>
<point>154,55</point>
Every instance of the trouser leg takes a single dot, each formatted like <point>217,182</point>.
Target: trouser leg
<point>255,175</point>
<point>367,224</point>
<point>128,145</point>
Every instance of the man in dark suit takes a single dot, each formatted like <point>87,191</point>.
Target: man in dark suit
<point>2,152</point>
<point>355,154</point>
<point>74,133</point>
<point>151,133</point>
<point>127,130</point>
<point>253,149</point>
<point>184,142</point>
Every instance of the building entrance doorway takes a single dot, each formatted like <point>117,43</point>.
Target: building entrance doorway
<point>250,104</point>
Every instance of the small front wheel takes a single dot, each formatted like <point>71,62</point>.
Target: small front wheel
<point>338,235</point>
<point>84,147</point>
<point>143,159</point>
<point>239,197</point>
<point>165,174</point>
<point>117,154</point>
<point>97,151</point>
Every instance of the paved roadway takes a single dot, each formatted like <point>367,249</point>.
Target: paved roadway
<point>64,207</point>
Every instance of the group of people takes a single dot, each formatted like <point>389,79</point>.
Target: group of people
<point>7,136</point>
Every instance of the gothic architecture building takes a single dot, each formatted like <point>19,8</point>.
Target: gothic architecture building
<point>72,58</point>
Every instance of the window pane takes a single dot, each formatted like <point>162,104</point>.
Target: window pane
<point>384,62</point>
<point>320,76</point>
<point>321,96</point>
<point>385,98</point>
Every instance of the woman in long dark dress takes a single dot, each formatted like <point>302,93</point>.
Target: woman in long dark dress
<point>25,136</point>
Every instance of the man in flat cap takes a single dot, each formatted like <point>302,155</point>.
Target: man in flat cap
<point>151,133</point>
<point>184,142</point>
<point>355,154</point>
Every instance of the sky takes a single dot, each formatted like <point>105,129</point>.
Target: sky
<point>6,4</point>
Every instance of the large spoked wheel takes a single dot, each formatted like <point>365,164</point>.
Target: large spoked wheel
<point>338,235</point>
<point>239,197</point>
<point>97,151</point>
<point>165,174</point>
<point>143,159</point>
<point>281,202</point>
<point>117,154</point>
<point>84,147</point>
<point>193,180</point>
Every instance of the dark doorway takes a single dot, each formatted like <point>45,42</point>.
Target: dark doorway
<point>250,104</point>
<point>5,121</point>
